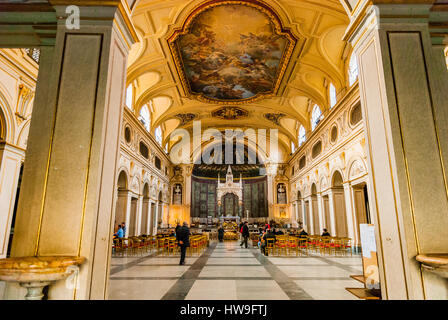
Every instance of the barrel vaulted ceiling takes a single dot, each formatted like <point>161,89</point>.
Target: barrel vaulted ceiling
<point>319,57</point>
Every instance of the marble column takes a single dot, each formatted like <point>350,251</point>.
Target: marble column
<point>310,215</point>
<point>67,196</point>
<point>303,217</point>
<point>403,94</point>
<point>349,212</point>
<point>320,209</point>
<point>296,211</point>
<point>332,213</point>
<point>139,219</point>
<point>156,219</point>
<point>146,228</point>
<point>11,159</point>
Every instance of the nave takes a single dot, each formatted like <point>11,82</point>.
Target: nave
<point>224,270</point>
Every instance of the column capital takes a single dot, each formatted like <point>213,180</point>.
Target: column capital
<point>35,24</point>
<point>5,146</point>
<point>376,14</point>
<point>112,11</point>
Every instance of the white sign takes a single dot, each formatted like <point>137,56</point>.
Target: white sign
<point>368,243</point>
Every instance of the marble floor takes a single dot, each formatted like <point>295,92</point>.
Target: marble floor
<point>225,271</point>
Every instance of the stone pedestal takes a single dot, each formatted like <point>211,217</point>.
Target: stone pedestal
<point>35,273</point>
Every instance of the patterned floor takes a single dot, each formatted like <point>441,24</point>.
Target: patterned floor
<point>225,271</point>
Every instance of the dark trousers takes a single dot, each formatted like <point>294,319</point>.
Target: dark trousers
<point>245,241</point>
<point>183,251</point>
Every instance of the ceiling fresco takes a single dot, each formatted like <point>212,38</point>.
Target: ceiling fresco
<point>230,113</point>
<point>232,51</point>
<point>224,46</point>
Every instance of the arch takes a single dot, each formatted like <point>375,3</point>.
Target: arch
<point>196,154</point>
<point>313,189</point>
<point>145,191</point>
<point>337,180</point>
<point>7,121</point>
<point>340,214</point>
<point>123,180</point>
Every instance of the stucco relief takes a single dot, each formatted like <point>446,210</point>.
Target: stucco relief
<point>357,169</point>
<point>135,185</point>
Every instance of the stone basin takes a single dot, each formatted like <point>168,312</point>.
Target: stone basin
<point>34,273</point>
<point>436,263</point>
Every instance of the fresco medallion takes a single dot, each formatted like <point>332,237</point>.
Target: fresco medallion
<point>232,51</point>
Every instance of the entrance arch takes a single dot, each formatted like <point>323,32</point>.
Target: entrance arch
<point>339,205</point>
<point>122,199</point>
<point>230,204</point>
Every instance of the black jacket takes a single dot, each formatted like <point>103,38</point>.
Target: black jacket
<point>245,231</point>
<point>184,235</point>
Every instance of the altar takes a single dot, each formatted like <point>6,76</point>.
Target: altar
<point>230,196</point>
<point>230,226</point>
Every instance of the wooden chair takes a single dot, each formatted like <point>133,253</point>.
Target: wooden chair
<point>270,246</point>
<point>303,245</point>
<point>172,246</point>
<point>347,246</point>
<point>161,245</point>
<point>293,245</point>
<point>281,245</point>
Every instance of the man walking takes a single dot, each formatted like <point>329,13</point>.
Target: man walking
<point>245,233</point>
<point>183,239</point>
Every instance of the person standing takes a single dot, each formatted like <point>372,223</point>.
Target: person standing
<point>220,234</point>
<point>183,239</point>
<point>245,233</point>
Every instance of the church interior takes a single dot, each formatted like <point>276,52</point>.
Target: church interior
<point>321,122</point>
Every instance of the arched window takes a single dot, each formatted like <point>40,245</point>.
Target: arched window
<point>302,135</point>
<point>316,116</point>
<point>145,117</point>
<point>166,148</point>
<point>333,98</point>
<point>158,135</point>
<point>353,70</point>
<point>129,97</point>
<point>293,147</point>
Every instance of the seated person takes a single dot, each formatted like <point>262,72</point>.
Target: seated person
<point>278,232</point>
<point>326,233</point>
<point>119,234</point>
<point>302,233</point>
<point>268,235</point>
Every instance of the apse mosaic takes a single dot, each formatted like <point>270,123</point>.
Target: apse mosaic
<point>232,51</point>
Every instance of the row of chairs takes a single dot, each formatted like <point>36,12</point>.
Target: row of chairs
<point>141,245</point>
<point>134,246</point>
<point>290,245</point>
<point>169,245</point>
